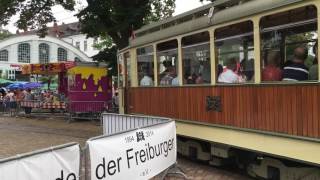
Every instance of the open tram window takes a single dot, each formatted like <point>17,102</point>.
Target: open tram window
<point>167,57</point>
<point>288,40</point>
<point>145,66</point>
<point>235,53</point>
<point>196,59</point>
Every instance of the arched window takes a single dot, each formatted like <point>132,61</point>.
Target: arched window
<point>62,54</point>
<point>4,55</point>
<point>24,53</point>
<point>43,53</point>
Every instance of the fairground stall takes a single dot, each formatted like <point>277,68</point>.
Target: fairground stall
<point>84,90</point>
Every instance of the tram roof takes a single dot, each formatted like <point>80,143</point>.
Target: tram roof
<point>197,19</point>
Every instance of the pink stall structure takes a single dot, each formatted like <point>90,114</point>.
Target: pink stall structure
<point>86,87</point>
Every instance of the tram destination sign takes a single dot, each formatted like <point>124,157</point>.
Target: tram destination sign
<point>137,154</point>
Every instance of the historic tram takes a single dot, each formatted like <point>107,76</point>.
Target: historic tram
<point>230,74</point>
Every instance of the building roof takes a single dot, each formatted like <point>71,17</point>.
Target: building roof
<point>63,30</point>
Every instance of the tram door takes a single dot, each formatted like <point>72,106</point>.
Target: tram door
<point>124,81</point>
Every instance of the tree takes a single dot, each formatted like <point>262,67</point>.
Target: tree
<point>35,14</point>
<point>4,34</point>
<point>114,21</point>
<point>118,18</point>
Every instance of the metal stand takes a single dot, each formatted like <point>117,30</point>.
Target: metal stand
<point>174,170</point>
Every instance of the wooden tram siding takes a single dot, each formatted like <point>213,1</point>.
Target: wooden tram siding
<point>290,109</point>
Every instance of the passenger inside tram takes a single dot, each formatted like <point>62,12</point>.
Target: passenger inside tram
<point>168,75</point>
<point>313,72</point>
<point>272,70</point>
<point>146,79</point>
<point>297,70</point>
<point>229,75</point>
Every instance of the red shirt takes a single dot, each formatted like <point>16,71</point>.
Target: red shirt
<point>272,73</point>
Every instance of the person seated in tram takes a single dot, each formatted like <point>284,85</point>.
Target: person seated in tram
<point>247,69</point>
<point>146,80</point>
<point>272,71</point>
<point>313,72</point>
<point>169,76</point>
<point>174,75</point>
<point>228,75</point>
<point>205,71</point>
<point>296,70</point>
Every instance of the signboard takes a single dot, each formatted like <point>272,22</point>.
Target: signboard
<point>49,68</point>
<point>53,164</point>
<point>137,154</point>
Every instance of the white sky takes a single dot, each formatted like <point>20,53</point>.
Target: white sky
<point>67,16</point>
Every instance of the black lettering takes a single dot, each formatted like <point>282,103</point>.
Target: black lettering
<point>165,148</point>
<point>128,158</point>
<point>103,166</point>
<point>151,154</point>
<point>61,178</point>
<point>137,152</point>
<point>118,164</point>
<point>111,167</point>
<point>73,176</point>
<point>142,155</point>
<point>161,144</point>
<point>155,147</point>
<point>169,144</point>
<point>147,153</point>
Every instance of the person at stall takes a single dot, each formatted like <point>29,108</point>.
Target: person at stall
<point>28,97</point>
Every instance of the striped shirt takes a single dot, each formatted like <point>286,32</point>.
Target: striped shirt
<point>295,72</point>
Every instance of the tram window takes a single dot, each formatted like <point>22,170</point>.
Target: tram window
<point>196,59</point>
<point>235,53</point>
<point>145,66</point>
<point>120,70</point>
<point>127,69</point>
<point>284,36</point>
<point>167,57</point>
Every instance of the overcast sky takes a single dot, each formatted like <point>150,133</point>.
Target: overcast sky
<point>67,17</point>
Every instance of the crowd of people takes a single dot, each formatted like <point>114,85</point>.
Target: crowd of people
<point>11,100</point>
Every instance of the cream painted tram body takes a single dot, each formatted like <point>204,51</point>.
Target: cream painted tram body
<point>261,125</point>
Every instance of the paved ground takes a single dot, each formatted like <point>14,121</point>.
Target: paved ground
<point>21,135</point>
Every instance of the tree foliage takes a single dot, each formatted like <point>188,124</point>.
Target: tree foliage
<point>4,34</point>
<point>117,18</point>
<point>114,20</point>
<point>33,14</point>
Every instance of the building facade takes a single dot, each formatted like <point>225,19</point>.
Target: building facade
<point>63,43</point>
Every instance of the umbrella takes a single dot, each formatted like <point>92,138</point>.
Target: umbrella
<point>32,85</point>
<point>16,85</point>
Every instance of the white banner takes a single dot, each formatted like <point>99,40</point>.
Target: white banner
<point>59,164</point>
<point>137,154</point>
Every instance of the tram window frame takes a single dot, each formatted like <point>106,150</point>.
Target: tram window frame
<point>168,50</point>
<point>145,66</point>
<point>196,59</point>
<point>244,57</point>
<point>127,64</point>
<point>281,28</point>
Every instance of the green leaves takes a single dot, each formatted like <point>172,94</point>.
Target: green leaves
<point>33,14</point>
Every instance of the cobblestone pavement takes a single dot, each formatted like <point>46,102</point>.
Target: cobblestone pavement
<point>20,135</point>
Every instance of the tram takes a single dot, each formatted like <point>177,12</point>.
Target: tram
<point>209,70</point>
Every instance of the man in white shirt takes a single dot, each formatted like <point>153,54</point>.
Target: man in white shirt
<point>228,75</point>
<point>146,81</point>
